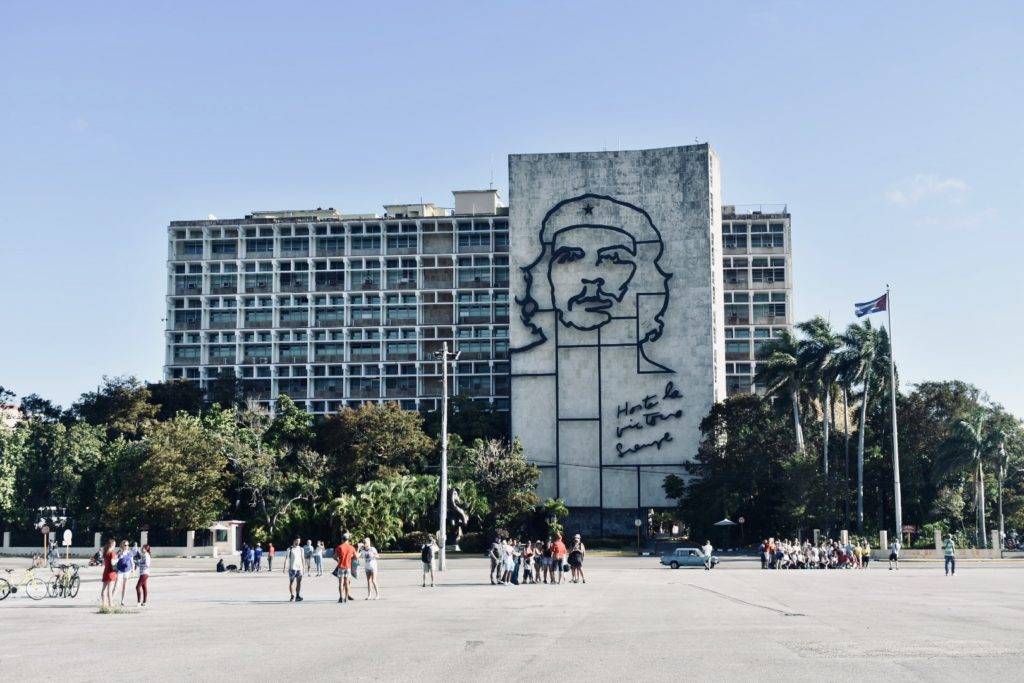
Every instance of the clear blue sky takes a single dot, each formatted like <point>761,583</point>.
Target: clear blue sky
<point>892,131</point>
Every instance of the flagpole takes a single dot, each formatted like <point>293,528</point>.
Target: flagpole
<point>897,496</point>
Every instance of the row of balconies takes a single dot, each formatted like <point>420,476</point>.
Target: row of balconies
<point>431,245</point>
<point>337,284</point>
<point>435,316</point>
<point>302,358</point>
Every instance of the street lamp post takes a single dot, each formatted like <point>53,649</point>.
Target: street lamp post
<point>637,523</point>
<point>442,534</point>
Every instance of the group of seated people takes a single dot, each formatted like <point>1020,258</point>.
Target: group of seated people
<point>828,554</point>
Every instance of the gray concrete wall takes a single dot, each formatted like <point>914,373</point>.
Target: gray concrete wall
<point>617,346</point>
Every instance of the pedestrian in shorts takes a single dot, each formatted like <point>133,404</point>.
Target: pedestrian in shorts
<point>294,563</point>
<point>344,553</point>
<point>427,553</point>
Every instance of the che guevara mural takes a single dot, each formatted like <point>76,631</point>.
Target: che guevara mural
<point>615,352</point>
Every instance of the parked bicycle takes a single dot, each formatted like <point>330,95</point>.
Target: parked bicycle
<point>34,587</point>
<point>65,582</point>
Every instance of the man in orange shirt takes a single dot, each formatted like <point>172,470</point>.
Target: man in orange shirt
<point>558,553</point>
<point>344,553</point>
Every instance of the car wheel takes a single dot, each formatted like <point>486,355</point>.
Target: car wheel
<point>674,564</point>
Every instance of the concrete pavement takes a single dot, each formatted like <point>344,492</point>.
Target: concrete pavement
<point>633,620</point>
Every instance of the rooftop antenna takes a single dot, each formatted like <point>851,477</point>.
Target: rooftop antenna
<point>491,186</point>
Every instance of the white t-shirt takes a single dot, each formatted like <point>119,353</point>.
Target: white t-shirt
<point>296,559</point>
<point>707,549</point>
<point>369,558</point>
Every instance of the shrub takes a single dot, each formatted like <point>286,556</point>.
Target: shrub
<point>412,541</point>
<point>473,542</point>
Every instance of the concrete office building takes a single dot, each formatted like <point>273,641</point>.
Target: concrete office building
<point>334,309</point>
<point>757,267</point>
<point>608,308</point>
<point>617,333</point>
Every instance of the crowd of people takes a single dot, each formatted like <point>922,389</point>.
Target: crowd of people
<point>514,562</point>
<point>121,564</point>
<point>826,554</point>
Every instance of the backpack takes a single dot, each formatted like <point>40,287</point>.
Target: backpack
<point>124,563</point>
<point>427,554</point>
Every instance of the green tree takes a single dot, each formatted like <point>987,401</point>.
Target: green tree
<point>121,405</point>
<point>12,454</point>
<point>225,391</point>
<point>372,441</point>
<point>858,360</point>
<point>35,407</point>
<point>273,479</point>
<point>382,509</point>
<point>782,373</point>
<point>175,396</point>
<point>179,481</point>
<point>817,354</point>
<point>746,465</point>
<point>504,478</point>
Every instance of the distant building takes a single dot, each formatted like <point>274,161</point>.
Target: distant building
<point>338,309</point>
<point>757,273</point>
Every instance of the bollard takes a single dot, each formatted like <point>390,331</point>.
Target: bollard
<point>97,540</point>
<point>844,536</point>
<point>143,538</point>
<point>996,542</point>
<point>817,536</point>
<point>7,539</point>
<point>883,540</point>
<point>190,539</point>
<point>938,539</point>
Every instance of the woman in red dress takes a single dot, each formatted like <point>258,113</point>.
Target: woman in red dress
<point>109,574</point>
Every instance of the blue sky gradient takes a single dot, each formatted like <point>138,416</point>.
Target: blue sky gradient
<point>893,133</point>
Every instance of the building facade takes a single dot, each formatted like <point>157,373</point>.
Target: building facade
<point>607,309</point>
<point>757,276</point>
<point>334,310</point>
<point>617,337</point>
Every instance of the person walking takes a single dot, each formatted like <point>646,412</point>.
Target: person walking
<point>307,556</point>
<point>109,574</point>
<point>125,567</point>
<point>558,553</point>
<point>894,554</point>
<point>270,557</point>
<point>494,554</point>
<point>243,557</point>
<point>257,557</point>
<point>344,553</point>
<point>707,549</point>
<point>145,561</point>
<point>866,554</point>
<point>368,556</point>
<point>293,564</point>
<point>576,554</point>
<point>318,558</point>
<point>949,552</point>
<point>427,554</point>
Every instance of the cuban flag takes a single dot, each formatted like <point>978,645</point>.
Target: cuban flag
<point>874,306</point>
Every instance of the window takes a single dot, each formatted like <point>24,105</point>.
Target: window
<point>259,246</point>
<point>364,244</point>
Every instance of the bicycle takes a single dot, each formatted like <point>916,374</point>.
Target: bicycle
<point>34,588</point>
<point>65,582</point>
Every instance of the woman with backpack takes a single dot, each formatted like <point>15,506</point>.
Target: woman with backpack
<point>145,561</point>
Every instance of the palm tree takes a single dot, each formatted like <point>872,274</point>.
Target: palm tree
<point>781,372</point>
<point>966,448</point>
<point>857,360</point>
<point>817,353</point>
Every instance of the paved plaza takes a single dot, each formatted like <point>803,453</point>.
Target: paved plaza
<point>633,620</point>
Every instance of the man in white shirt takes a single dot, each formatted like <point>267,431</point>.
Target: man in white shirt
<point>706,549</point>
<point>294,563</point>
<point>894,554</point>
